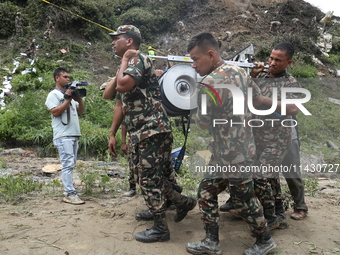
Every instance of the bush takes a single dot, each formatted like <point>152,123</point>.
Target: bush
<point>7,16</point>
<point>303,71</point>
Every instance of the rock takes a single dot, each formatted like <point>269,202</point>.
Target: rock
<point>14,151</point>
<point>50,169</point>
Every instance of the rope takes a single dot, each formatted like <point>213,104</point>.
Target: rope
<point>61,8</point>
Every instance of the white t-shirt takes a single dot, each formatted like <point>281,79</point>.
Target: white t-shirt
<point>54,99</point>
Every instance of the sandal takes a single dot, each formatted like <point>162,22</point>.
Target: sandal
<point>298,214</point>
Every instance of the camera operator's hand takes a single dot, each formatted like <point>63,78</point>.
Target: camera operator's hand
<point>113,146</point>
<point>68,92</point>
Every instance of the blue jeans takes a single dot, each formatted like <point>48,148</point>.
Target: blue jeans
<point>67,147</point>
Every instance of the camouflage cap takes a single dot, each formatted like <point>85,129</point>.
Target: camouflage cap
<point>127,29</point>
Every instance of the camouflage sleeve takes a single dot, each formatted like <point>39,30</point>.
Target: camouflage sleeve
<point>136,68</point>
<point>293,83</point>
<point>256,89</point>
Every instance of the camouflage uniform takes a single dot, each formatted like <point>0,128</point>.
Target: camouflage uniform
<point>18,25</point>
<point>149,131</point>
<point>271,142</point>
<point>31,49</point>
<point>50,28</point>
<point>233,146</point>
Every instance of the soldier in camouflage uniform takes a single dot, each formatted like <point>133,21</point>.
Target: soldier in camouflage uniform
<point>18,25</point>
<point>273,139</point>
<point>233,146</point>
<point>32,48</point>
<point>110,93</point>
<point>149,130</point>
<point>50,28</point>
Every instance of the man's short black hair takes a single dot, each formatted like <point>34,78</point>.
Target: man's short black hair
<point>287,47</point>
<point>136,40</point>
<point>58,71</point>
<point>204,41</point>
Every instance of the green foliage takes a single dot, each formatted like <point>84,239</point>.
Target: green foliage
<point>141,18</point>
<point>325,115</point>
<point>89,178</point>
<point>303,71</point>
<point>12,186</point>
<point>74,16</point>
<point>311,186</point>
<point>24,115</point>
<point>2,163</point>
<point>7,16</point>
<point>153,18</point>
<point>94,139</point>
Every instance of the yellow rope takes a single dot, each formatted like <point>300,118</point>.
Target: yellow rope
<point>93,22</point>
<point>78,16</point>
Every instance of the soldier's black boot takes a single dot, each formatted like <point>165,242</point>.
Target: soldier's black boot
<point>169,204</point>
<point>183,203</point>
<point>264,244</point>
<point>227,206</point>
<point>209,245</point>
<point>280,214</point>
<point>272,222</point>
<point>146,215</point>
<point>158,233</point>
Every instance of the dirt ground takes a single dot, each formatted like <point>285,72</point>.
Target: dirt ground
<point>45,225</point>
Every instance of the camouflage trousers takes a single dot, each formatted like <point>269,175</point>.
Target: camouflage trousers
<point>243,195</point>
<point>19,31</point>
<point>48,33</point>
<point>267,184</point>
<point>169,172</point>
<point>152,159</point>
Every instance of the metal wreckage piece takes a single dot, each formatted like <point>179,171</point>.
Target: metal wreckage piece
<point>179,84</point>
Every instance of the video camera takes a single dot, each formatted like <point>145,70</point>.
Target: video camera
<point>76,91</point>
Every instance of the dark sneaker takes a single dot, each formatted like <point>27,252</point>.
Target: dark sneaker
<point>146,215</point>
<point>73,199</point>
<point>261,247</point>
<point>183,210</point>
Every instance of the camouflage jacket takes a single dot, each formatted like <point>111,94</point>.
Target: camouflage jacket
<point>18,22</point>
<point>142,105</point>
<point>273,133</point>
<point>233,142</point>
